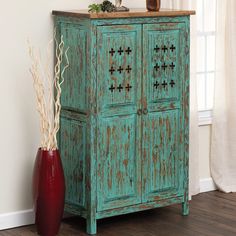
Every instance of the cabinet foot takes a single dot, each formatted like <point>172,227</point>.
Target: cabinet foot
<point>91,225</point>
<point>185,208</point>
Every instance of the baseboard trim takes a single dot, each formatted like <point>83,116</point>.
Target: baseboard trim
<point>207,185</point>
<point>20,218</point>
<point>16,219</point>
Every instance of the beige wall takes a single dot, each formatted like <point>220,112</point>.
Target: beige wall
<point>19,135</point>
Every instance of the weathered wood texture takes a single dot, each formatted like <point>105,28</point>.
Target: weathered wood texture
<point>212,214</point>
<point>125,110</point>
<point>132,13</point>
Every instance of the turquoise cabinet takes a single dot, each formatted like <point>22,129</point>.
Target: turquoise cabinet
<point>125,111</point>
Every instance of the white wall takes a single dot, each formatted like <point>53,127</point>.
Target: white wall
<point>19,134</point>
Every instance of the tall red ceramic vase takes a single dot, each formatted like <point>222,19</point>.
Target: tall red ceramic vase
<point>48,192</point>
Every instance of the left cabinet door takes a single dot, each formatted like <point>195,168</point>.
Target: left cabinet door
<point>119,125</point>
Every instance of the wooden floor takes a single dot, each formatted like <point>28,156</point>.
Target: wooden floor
<point>211,214</point>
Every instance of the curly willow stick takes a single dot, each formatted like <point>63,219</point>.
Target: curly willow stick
<point>39,89</point>
<point>57,105</point>
<point>49,117</point>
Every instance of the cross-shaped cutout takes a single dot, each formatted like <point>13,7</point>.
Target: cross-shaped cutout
<point>156,85</point>
<point>112,70</point>
<point>120,69</point>
<point>172,66</point>
<point>120,88</point>
<point>112,52</point>
<point>157,67</point>
<point>112,88</point>
<point>172,83</point>
<point>164,48</point>
<point>156,48</point>
<point>128,69</point>
<point>172,48</point>
<point>128,50</point>
<point>120,51</point>
<point>164,66</point>
<point>164,84</point>
<point>128,87</point>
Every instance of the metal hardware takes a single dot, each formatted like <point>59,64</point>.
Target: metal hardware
<point>139,112</point>
<point>145,111</point>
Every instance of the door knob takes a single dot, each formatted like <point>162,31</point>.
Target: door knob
<point>145,111</point>
<point>139,112</point>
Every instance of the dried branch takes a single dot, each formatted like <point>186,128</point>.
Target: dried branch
<point>48,104</point>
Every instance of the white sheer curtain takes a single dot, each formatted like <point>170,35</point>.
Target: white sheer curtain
<point>223,148</point>
<point>194,187</point>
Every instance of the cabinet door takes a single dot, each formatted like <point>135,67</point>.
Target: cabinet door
<point>164,74</point>
<point>119,126</point>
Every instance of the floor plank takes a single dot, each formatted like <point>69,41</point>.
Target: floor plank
<point>211,214</point>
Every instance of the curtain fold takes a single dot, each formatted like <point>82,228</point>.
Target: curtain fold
<point>194,186</point>
<point>223,146</point>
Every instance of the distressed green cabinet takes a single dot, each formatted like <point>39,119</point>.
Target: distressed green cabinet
<point>125,110</point>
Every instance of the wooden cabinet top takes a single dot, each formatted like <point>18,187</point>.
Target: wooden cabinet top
<point>131,14</point>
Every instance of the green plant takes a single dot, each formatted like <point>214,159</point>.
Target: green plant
<point>106,6</point>
<point>95,8</point>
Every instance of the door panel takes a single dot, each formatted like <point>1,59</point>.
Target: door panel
<point>161,155</point>
<point>163,62</point>
<point>119,67</point>
<point>73,154</point>
<point>119,164</point>
<point>164,67</point>
<point>119,126</point>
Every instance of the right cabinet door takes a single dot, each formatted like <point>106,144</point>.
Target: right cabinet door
<point>164,59</point>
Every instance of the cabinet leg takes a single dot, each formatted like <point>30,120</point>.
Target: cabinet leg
<point>185,208</point>
<point>91,225</point>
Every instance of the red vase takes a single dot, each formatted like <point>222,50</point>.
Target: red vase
<point>48,192</point>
